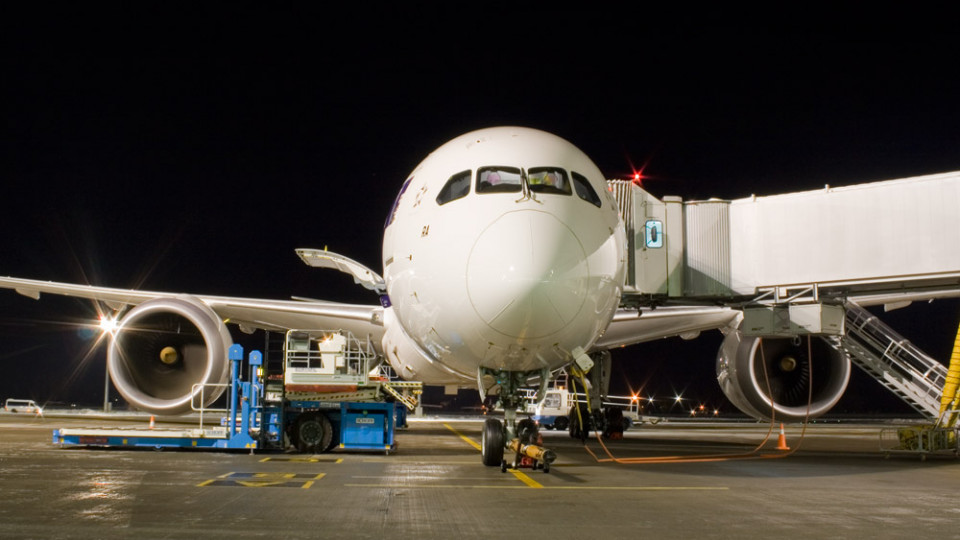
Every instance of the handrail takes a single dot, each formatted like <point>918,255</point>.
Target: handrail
<point>200,389</point>
<point>357,355</point>
<point>878,349</point>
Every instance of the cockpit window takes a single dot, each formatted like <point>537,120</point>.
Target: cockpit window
<point>499,180</point>
<point>458,186</point>
<point>584,190</point>
<point>548,180</point>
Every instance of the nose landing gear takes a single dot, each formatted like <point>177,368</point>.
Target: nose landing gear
<point>528,449</point>
<point>522,437</point>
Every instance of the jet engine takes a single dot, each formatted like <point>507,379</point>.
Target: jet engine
<point>163,348</point>
<point>784,369</point>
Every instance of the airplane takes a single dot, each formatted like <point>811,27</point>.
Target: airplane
<point>504,260</point>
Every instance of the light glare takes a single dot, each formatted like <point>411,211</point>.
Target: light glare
<point>108,324</point>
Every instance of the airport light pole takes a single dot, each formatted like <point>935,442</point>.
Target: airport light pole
<point>108,325</point>
<point>106,388</point>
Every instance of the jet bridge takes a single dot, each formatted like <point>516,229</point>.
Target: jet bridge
<point>804,263</point>
<point>895,236</point>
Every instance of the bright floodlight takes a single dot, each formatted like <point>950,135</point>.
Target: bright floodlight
<point>108,324</point>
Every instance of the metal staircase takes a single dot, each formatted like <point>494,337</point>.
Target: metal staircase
<point>896,363</point>
<point>394,388</point>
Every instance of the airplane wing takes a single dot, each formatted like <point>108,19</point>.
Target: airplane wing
<point>897,294</point>
<point>631,325</point>
<point>638,323</point>
<point>248,313</point>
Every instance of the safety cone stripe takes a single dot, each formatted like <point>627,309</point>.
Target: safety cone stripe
<point>782,440</point>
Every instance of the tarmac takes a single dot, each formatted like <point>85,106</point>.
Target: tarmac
<point>837,481</point>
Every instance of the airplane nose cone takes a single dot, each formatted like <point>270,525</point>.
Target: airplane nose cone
<point>527,275</point>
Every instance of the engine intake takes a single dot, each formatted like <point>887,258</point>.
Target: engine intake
<point>787,377</point>
<point>164,347</point>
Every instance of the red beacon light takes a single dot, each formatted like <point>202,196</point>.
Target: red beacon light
<point>637,179</point>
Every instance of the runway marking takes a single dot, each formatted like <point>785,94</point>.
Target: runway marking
<point>579,488</point>
<point>437,477</point>
<point>469,441</point>
<point>530,482</point>
<point>303,460</point>
<point>525,479</point>
<point>268,479</point>
<point>412,461</point>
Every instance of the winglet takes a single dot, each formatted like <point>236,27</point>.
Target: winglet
<point>321,258</point>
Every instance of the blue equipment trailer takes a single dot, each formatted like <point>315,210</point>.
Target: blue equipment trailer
<point>264,415</point>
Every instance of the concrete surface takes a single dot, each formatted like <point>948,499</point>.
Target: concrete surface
<point>838,485</point>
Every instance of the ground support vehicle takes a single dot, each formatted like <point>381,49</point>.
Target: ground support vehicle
<point>326,390</point>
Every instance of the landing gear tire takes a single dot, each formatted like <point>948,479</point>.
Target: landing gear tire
<point>491,448</point>
<point>314,433</point>
<point>615,427</point>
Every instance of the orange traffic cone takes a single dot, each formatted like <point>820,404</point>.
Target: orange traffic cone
<point>151,421</point>
<point>782,440</point>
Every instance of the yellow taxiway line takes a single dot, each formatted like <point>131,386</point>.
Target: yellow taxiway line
<point>468,440</point>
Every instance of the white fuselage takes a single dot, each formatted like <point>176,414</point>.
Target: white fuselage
<point>516,264</point>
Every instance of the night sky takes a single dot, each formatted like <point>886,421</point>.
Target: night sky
<point>194,151</point>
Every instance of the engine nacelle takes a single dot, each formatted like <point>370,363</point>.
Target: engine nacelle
<point>787,377</point>
<point>165,346</point>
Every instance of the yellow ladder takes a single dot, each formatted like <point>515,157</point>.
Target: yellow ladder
<point>410,402</point>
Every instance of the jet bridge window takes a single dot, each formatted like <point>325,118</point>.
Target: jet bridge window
<point>457,187</point>
<point>584,190</point>
<point>548,180</point>
<point>499,180</point>
<point>653,233</point>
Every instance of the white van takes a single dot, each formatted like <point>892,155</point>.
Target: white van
<point>22,406</point>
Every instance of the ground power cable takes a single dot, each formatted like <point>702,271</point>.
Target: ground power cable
<point>753,454</point>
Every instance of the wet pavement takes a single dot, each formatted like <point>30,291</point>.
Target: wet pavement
<point>839,484</point>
